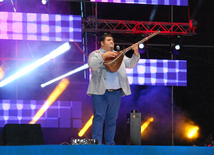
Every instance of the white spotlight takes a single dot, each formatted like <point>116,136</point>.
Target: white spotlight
<point>1,0</point>
<point>44,2</point>
<point>141,45</point>
<point>63,48</point>
<point>177,47</point>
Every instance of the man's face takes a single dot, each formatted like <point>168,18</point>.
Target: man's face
<point>108,44</point>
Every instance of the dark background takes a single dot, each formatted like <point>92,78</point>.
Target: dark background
<point>193,103</point>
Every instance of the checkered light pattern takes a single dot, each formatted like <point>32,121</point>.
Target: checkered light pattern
<point>61,114</point>
<point>40,27</point>
<point>159,73</point>
<point>152,2</point>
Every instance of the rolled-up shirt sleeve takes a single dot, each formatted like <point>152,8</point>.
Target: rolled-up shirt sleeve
<point>131,62</point>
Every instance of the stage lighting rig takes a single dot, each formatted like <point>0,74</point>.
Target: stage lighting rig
<point>141,46</point>
<point>91,19</point>
<point>176,47</point>
<point>210,140</point>
<point>44,1</point>
<point>193,23</point>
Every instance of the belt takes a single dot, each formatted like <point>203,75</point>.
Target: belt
<point>112,90</point>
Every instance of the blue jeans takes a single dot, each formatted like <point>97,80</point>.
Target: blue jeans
<point>106,108</point>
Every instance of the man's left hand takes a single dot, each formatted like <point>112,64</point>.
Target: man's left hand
<point>136,49</point>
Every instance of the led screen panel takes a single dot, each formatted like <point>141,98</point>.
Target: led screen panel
<point>61,114</point>
<point>152,2</point>
<point>40,27</point>
<point>159,73</point>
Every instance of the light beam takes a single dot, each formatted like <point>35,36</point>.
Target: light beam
<point>63,48</point>
<point>146,124</point>
<point>85,128</point>
<point>193,132</point>
<point>65,75</point>
<point>54,95</point>
<point>1,73</point>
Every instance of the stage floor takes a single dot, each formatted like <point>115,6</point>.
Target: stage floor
<point>105,150</point>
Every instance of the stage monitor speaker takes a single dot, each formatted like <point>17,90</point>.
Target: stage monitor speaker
<point>22,134</point>
<point>135,128</point>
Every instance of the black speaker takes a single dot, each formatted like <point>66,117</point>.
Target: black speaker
<point>22,134</point>
<point>135,128</point>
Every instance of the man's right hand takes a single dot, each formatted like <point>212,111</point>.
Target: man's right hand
<point>108,54</point>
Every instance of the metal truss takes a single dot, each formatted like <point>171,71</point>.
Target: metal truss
<point>92,24</point>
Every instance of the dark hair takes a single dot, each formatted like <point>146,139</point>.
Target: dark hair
<point>103,37</point>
